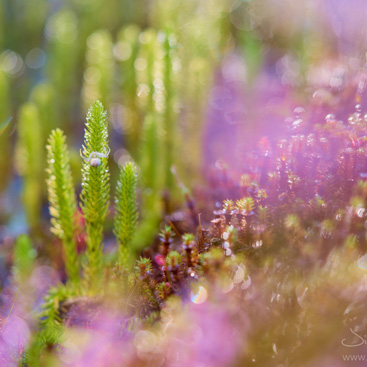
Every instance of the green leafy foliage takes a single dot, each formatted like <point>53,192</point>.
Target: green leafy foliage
<point>42,342</point>
<point>173,259</point>
<point>95,190</point>
<point>144,267</point>
<point>245,205</point>
<point>50,313</point>
<point>62,199</point>
<point>188,239</point>
<point>166,238</point>
<point>126,211</point>
<point>51,332</point>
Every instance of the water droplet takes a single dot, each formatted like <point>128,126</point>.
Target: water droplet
<point>298,112</point>
<point>330,117</point>
<point>358,108</point>
<point>143,90</point>
<point>199,296</point>
<point>360,212</point>
<point>362,262</point>
<point>296,124</point>
<point>225,236</point>
<point>239,275</point>
<point>226,285</point>
<point>288,121</point>
<point>246,283</point>
<point>257,244</point>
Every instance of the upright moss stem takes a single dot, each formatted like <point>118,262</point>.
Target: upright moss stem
<point>95,190</point>
<point>62,200</point>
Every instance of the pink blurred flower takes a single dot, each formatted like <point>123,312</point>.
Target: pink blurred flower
<point>206,335</point>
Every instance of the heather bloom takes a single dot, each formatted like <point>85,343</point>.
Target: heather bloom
<point>199,333</point>
<point>346,21</point>
<point>94,348</point>
<point>15,329</point>
<point>15,335</point>
<point>205,334</point>
<point>17,313</point>
<point>102,339</point>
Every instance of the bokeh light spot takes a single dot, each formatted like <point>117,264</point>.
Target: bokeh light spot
<point>199,296</point>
